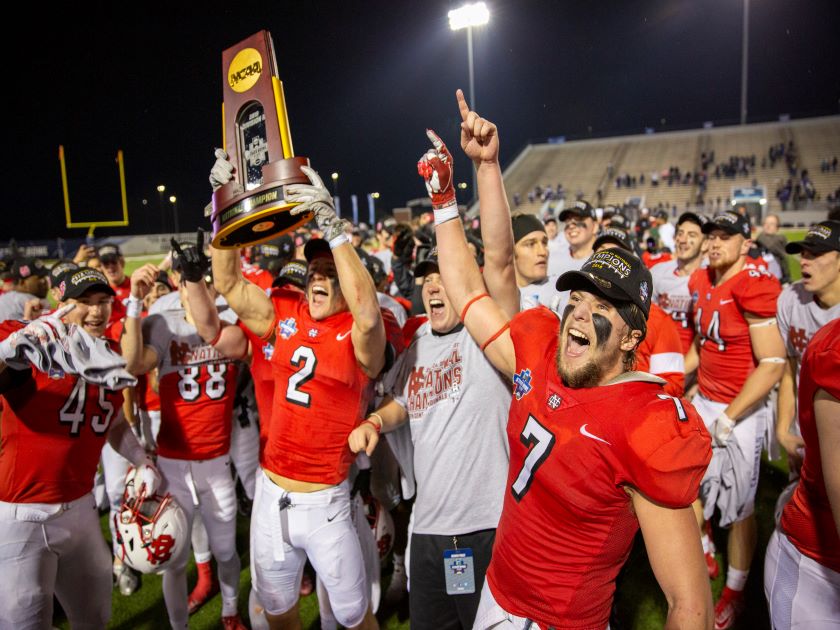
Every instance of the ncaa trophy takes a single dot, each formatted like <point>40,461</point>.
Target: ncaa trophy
<point>250,208</point>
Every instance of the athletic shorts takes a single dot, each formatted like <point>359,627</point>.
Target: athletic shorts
<point>288,527</point>
<point>801,593</point>
<point>731,479</point>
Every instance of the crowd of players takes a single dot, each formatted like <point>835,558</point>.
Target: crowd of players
<point>520,394</point>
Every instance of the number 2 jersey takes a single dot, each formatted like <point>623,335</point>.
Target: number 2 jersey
<point>52,433</point>
<point>197,387</point>
<point>726,355</point>
<point>567,525</point>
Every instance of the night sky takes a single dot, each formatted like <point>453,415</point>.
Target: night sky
<point>364,79</point>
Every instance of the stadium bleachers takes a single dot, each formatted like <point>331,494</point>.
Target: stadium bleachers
<point>583,165</point>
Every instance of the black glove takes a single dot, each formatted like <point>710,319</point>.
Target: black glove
<point>191,261</point>
<point>361,484</point>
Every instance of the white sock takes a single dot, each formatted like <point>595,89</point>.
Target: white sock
<point>229,606</point>
<point>707,544</point>
<point>736,579</point>
<point>399,560</point>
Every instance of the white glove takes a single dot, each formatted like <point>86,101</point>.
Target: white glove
<point>316,198</point>
<point>722,429</point>
<point>222,171</point>
<point>42,332</point>
<point>144,478</point>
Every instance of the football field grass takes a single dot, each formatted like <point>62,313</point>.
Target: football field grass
<point>639,601</point>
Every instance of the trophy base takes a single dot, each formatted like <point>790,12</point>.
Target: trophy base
<point>247,218</point>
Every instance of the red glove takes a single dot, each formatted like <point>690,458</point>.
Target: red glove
<point>436,167</point>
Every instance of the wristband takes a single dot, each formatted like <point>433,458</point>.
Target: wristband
<point>133,306</point>
<point>446,213</point>
<point>338,241</point>
<point>373,424</point>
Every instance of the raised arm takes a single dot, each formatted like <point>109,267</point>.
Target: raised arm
<point>480,142</point>
<point>139,357</point>
<point>672,540</point>
<point>485,320</point>
<point>368,331</point>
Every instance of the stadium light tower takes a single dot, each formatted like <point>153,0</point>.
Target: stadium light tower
<point>745,45</point>
<point>467,16</point>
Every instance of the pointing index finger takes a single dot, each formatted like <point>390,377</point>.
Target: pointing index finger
<point>462,104</point>
<point>434,139</point>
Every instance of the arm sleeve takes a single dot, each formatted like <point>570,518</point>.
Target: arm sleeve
<point>757,295</point>
<point>666,456</point>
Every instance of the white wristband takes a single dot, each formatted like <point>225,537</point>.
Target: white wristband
<point>446,213</point>
<point>338,241</point>
<point>133,306</point>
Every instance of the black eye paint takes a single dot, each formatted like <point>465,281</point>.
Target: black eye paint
<point>603,328</point>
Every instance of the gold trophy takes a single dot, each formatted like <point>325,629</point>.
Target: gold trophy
<point>250,208</point>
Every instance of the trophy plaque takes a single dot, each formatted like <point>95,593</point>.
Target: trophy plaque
<point>250,208</point>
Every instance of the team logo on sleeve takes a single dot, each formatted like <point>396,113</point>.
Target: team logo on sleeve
<point>313,332</point>
<point>522,383</point>
<point>287,328</point>
<point>268,351</point>
<point>643,291</point>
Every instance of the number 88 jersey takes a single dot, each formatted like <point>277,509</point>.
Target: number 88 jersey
<point>52,433</point>
<point>197,389</point>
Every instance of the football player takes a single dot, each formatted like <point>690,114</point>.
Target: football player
<point>739,356</point>
<point>54,426</point>
<point>595,452</point>
<point>197,390</point>
<point>802,566</point>
<point>328,345</point>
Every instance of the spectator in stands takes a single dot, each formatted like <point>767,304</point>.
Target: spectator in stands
<point>26,299</point>
<point>774,243</point>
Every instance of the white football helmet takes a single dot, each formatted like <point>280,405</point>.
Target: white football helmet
<point>381,524</point>
<point>151,531</point>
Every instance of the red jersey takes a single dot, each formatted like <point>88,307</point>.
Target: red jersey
<point>651,260</point>
<point>661,351</point>
<point>52,433</point>
<point>197,389</point>
<point>807,519</point>
<point>320,396</point>
<point>726,355</point>
<point>123,291</point>
<point>567,525</point>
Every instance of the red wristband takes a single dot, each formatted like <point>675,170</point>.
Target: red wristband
<point>373,424</point>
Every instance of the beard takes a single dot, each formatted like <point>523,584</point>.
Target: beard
<point>590,373</point>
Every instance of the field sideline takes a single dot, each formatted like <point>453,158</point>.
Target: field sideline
<point>640,603</point>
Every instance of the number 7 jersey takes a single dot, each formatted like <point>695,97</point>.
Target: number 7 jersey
<point>53,429</point>
<point>197,388</point>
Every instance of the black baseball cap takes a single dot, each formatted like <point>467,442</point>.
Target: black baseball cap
<point>613,235</point>
<point>294,273</point>
<point>661,214</point>
<point>617,219</point>
<point>616,274</point>
<point>163,278</point>
<point>109,253</point>
<point>578,209</point>
<point>59,269</point>
<point>699,219</point>
<point>23,268</point>
<point>823,237</point>
<point>316,247</point>
<point>730,222</point>
<point>428,265</point>
<point>74,284</point>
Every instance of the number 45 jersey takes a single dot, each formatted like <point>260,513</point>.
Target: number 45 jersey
<point>726,356</point>
<point>197,388</point>
<point>567,525</point>
<point>52,433</point>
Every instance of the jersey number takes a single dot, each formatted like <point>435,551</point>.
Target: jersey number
<point>73,411</point>
<point>304,359</point>
<point>712,333</point>
<point>536,435</point>
<point>214,386</point>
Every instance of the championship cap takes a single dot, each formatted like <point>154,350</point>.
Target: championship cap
<point>613,235</point>
<point>699,219</point>
<point>294,273</point>
<point>616,274</point>
<point>109,253</point>
<point>429,264</point>
<point>315,248</point>
<point>823,237</point>
<point>59,269</point>
<point>73,284</point>
<point>23,268</point>
<point>730,222</point>
<point>578,209</point>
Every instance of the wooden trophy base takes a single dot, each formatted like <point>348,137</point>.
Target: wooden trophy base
<point>246,218</point>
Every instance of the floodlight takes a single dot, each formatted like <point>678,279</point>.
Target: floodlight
<point>474,14</point>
